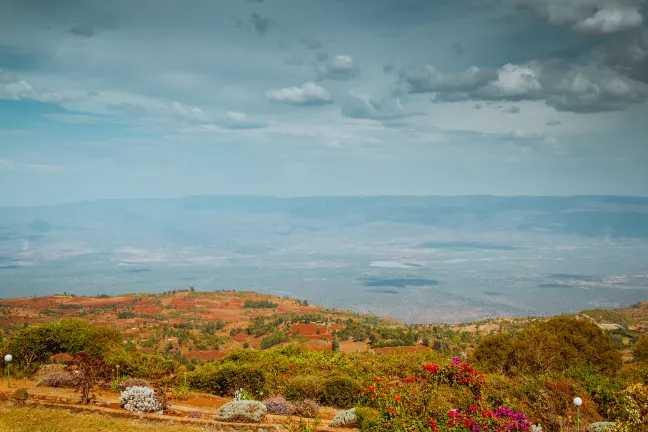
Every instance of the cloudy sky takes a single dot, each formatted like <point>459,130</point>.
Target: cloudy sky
<point>160,98</point>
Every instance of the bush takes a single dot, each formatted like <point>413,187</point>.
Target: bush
<point>142,399</point>
<point>304,387</point>
<point>260,304</point>
<point>225,379</point>
<point>278,405</point>
<point>641,350</point>
<point>57,379</point>
<point>131,382</point>
<point>275,338</point>
<point>340,392</point>
<point>307,408</point>
<point>553,345</point>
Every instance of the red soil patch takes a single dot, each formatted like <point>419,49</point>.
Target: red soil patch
<point>205,355</point>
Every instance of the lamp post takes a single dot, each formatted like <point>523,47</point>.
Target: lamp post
<point>578,402</point>
<point>8,359</point>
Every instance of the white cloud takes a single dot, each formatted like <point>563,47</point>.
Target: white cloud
<point>429,79</point>
<point>588,16</point>
<point>610,21</point>
<point>338,68</point>
<point>308,94</point>
<point>364,107</point>
<point>13,88</point>
<point>239,120</point>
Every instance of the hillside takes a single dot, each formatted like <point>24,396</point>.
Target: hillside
<point>199,349</point>
<point>203,326</point>
<point>195,325</point>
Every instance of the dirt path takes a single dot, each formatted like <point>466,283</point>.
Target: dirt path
<point>204,403</point>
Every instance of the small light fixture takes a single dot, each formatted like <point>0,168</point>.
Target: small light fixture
<point>578,402</point>
<point>8,358</point>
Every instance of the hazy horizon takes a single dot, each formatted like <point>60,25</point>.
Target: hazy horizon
<point>418,259</point>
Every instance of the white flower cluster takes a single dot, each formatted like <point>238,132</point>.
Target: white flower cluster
<point>141,399</point>
<point>239,395</point>
<point>536,428</point>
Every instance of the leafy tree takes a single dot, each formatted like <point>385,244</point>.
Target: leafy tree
<point>553,345</point>
<point>335,345</point>
<point>641,350</point>
<point>492,354</point>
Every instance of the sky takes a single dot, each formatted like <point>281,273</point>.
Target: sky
<point>160,98</point>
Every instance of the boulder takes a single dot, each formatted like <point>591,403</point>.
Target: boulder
<point>600,427</point>
<point>20,395</point>
<point>242,411</point>
<point>345,419</point>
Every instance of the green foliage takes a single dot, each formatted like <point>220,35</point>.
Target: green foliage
<point>602,389</point>
<point>126,315</point>
<point>553,345</point>
<point>275,339</point>
<point>260,304</point>
<point>335,345</point>
<point>641,350</point>
<point>213,326</point>
<point>340,392</point>
<point>492,354</point>
<point>32,346</point>
<point>303,387</point>
<point>226,378</point>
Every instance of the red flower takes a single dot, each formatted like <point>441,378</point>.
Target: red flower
<point>452,414</point>
<point>397,398</point>
<point>408,380</point>
<point>377,380</point>
<point>431,368</point>
<point>371,388</point>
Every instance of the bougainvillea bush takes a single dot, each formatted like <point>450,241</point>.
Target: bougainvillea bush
<point>438,398</point>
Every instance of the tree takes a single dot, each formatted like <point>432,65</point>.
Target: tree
<point>553,345</point>
<point>641,350</point>
<point>335,345</point>
<point>87,372</point>
<point>493,353</point>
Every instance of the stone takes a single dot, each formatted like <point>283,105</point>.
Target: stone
<point>242,411</point>
<point>20,395</point>
<point>346,419</point>
<point>600,427</point>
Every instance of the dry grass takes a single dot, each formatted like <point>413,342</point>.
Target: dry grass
<point>56,420</point>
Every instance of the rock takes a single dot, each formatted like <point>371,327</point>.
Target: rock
<point>20,395</point>
<point>345,419</point>
<point>242,411</point>
<point>600,427</point>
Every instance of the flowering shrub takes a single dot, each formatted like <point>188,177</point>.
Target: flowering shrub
<point>502,419</point>
<point>633,415</point>
<point>279,405</point>
<point>307,408</point>
<point>57,379</point>
<point>415,403</point>
<point>131,382</point>
<point>142,399</point>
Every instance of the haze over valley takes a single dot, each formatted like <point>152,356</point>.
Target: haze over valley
<point>417,259</point>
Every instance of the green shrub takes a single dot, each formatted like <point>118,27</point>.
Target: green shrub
<point>340,392</point>
<point>226,379</point>
<point>304,387</point>
<point>274,339</point>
